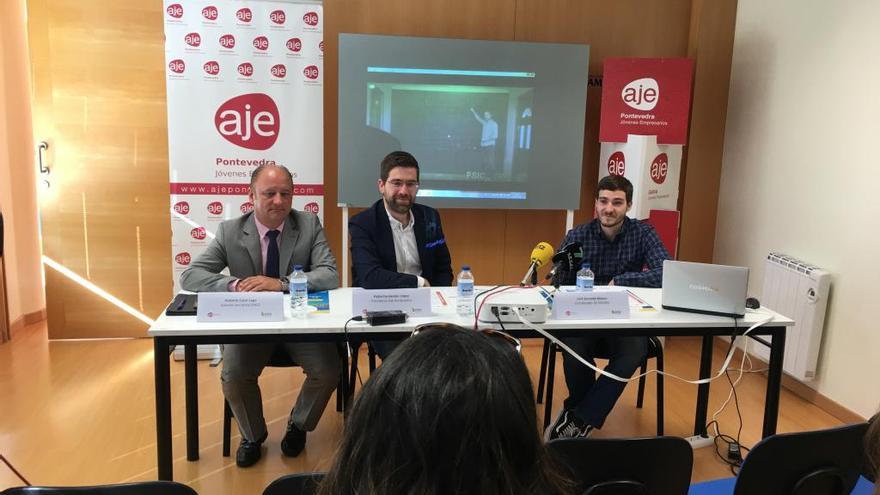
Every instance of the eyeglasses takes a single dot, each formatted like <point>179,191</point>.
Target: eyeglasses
<point>517,345</point>
<point>409,184</point>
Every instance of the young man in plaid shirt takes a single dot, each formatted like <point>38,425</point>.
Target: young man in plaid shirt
<point>620,251</point>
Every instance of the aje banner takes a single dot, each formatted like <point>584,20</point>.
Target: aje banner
<point>646,96</point>
<point>245,87</point>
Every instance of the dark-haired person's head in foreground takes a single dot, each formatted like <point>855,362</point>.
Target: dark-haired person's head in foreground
<point>872,453</point>
<point>450,412</point>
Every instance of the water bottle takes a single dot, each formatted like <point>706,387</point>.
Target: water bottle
<point>585,277</point>
<point>465,306</point>
<point>299,292</point>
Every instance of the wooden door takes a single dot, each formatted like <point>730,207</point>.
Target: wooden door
<point>99,102</point>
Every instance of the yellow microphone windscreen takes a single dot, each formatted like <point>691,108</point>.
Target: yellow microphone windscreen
<point>542,253</point>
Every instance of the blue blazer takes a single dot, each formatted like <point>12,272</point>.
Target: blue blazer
<point>374,263</point>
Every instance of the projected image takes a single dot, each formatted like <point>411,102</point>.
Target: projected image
<point>466,134</point>
<point>493,124</point>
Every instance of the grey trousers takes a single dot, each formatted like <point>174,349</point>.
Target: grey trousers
<point>242,366</point>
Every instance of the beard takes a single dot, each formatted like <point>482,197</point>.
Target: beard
<point>400,203</point>
<point>611,220</point>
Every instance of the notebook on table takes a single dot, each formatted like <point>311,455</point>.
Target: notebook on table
<point>183,305</point>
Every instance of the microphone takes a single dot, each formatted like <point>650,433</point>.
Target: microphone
<point>541,254</point>
<point>568,257</point>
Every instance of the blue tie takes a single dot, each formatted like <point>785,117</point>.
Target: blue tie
<point>272,256</point>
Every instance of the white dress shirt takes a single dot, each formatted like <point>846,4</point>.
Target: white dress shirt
<point>406,251</point>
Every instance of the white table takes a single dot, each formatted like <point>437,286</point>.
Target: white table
<point>168,331</point>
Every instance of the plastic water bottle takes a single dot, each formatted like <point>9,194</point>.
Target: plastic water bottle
<point>585,277</point>
<point>299,292</point>
<point>465,306</point>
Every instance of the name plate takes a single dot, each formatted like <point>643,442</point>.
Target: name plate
<point>215,307</point>
<point>414,302</point>
<point>597,304</point>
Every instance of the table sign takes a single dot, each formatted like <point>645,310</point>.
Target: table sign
<point>414,302</point>
<point>240,307</point>
<point>601,303</point>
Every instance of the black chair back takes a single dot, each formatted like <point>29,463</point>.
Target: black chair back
<point>140,488</point>
<point>824,462</point>
<point>626,466</point>
<point>295,484</point>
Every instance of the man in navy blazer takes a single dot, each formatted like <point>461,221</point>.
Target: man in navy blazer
<point>397,243</point>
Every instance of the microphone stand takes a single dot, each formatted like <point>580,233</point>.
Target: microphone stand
<point>531,275</point>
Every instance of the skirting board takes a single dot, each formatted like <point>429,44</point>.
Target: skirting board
<point>798,388</point>
<point>27,319</point>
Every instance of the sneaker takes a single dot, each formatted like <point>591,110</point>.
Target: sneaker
<point>567,425</point>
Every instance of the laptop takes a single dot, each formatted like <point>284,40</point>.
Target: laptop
<point>704,288</point>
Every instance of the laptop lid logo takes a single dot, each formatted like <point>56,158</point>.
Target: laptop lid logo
<point>702,288</point>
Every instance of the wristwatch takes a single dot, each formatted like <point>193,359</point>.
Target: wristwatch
<point>285,284</point>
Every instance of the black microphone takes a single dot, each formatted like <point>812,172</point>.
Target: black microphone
<point>568,257</point>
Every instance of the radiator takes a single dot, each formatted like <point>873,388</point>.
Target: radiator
<point>799,291</point>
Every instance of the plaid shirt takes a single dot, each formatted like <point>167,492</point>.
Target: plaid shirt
<point>634,258</point>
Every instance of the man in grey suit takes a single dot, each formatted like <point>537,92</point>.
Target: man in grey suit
<point>260,249</point>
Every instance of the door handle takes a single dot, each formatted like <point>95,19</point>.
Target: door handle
<point>40,148</point>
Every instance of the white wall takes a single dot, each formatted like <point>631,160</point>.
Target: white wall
<point>801,170</point>
<point>18,198</point>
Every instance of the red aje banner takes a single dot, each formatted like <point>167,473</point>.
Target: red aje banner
<point>646,96</point>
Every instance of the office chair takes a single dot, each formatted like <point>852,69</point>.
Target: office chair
<point>295,484</point>
<point>548,373</point>
<point>626,466</point>
<point>279,359</point>
<point>371,360</point>
<point>140,488</point>
<point>823,462</point>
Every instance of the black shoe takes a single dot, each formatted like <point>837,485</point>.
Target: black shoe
<point>294,441</point>
<point>567,425</point>
<point>248,452</point>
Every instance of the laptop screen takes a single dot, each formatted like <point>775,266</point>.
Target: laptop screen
<point>705,288</point>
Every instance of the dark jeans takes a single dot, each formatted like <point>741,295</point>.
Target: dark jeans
<point>590,398</point>
<point>384,347</point>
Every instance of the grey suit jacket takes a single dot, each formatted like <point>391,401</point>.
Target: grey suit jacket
<point>237,246</point>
